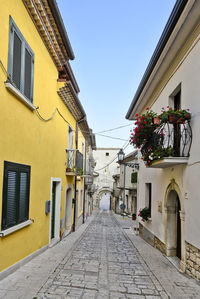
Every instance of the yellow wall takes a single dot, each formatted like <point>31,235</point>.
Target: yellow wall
<point>25,139</point>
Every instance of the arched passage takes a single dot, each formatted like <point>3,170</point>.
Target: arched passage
<point>104,203</point>
<point>103,198</point>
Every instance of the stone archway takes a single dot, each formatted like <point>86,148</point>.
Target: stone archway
<point>102,194</point>
<point>174,223</point>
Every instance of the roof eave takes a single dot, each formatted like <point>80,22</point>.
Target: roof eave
<point>59,22</point>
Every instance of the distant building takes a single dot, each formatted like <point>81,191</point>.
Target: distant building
<point>106,167</point>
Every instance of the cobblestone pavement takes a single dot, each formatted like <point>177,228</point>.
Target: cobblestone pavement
<point>104,264</point>
<point>107,261</point>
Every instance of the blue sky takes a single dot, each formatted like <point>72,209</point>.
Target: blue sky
<point>113,41</point>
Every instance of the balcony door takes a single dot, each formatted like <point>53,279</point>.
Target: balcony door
<point>177,129</point>
<point>70,143</point>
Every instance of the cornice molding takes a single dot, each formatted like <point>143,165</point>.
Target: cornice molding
<point>43,19</point>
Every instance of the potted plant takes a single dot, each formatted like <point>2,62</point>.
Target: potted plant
<point>145,214</point>
<point>81,171</point>
<point>175,116</point>
<point>133,216</point>
<point>144,128</point>
<point>157,154</point>
<point>68,169</point>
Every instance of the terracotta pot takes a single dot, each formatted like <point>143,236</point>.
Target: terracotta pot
<point>156,120</point>
<point>172,118</point>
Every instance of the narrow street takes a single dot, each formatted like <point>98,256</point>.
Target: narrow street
<point>107,260</point>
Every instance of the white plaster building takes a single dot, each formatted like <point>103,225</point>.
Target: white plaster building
<point>106,167</point>
<point>125,184</point>
<point>171,185</point>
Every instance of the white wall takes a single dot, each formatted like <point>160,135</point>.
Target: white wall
<point>109,165</point>
<point>187,177</point>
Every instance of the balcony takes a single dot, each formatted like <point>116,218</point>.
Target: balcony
<point>74,164</point>
<point>169,145</point>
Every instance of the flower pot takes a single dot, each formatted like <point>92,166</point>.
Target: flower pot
<point>156,120</point>
<point>68,169</point>
<point>172,118</point>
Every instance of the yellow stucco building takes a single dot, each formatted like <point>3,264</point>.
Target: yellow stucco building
<point>43,130</point>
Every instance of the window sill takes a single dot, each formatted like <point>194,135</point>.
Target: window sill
<point>11,230</point>
<point>19,95</point>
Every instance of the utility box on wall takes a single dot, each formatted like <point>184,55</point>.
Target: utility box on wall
<point>47,207</point>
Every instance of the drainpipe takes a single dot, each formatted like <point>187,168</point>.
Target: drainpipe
<point>125,184</point>
<point>84,190</point>
<point>75,183</point>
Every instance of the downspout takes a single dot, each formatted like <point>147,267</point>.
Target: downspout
<point>75,183</point>
<point>84,190</point>
<point>124,184</point>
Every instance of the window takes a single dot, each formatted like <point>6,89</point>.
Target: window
<point>107,154</point>
<point>20,62</point>
<point>15,194</point>
<point>148,196</point>
<point>70,137</point>
<point>134,177</point>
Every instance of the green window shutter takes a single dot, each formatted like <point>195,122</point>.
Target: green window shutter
<point>23,202</point>
<point>17,48</point>
<point>15,194</point>
<point>134,177</point>
<point>11,207</point>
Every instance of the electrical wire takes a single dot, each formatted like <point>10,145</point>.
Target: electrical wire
<point>111,137</point>
<point>42,118</point>
<point>56,109</point>
<point>114,129</point>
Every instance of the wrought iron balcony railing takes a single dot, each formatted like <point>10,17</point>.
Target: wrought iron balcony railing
<point>169,140</point>
<point>74,165</point>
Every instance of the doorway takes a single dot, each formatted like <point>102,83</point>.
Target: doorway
<point>54,233</point>
<point>173,225</point>
<point>68,210</point>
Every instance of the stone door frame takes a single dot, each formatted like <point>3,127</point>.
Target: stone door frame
<point>173,186</point>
